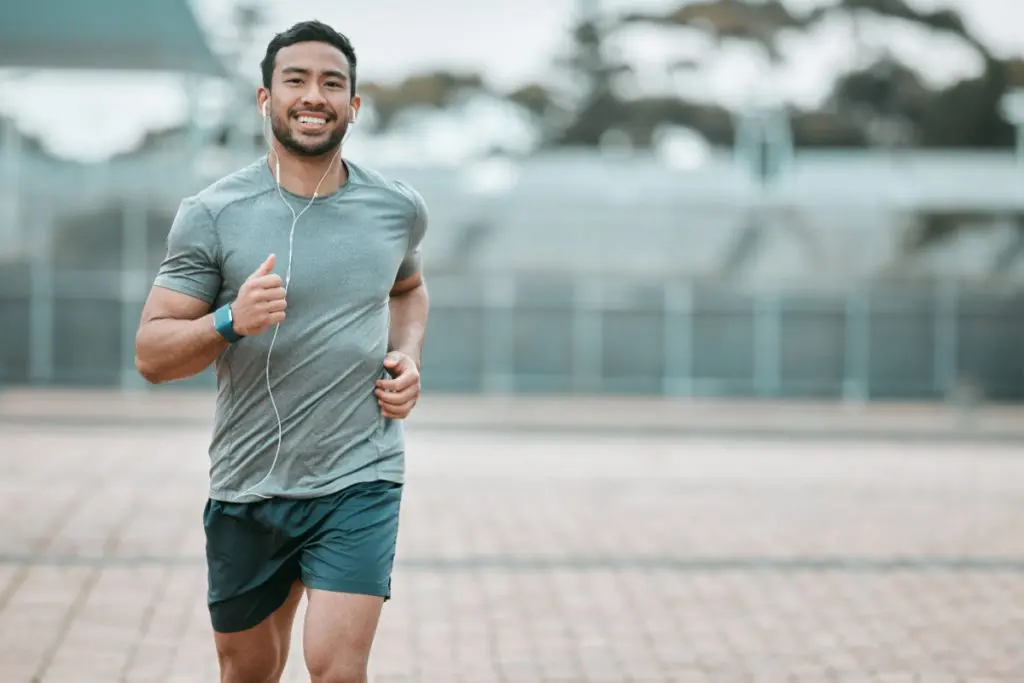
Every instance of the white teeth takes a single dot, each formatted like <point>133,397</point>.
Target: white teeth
<point>312,120</point>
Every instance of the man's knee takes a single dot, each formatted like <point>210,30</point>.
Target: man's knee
<point>328,671</point>
<point>339,634</point>
<point>250,665</point>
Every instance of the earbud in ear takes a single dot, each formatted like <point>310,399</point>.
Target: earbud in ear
<point>265,106</point>
<point>353,118</point>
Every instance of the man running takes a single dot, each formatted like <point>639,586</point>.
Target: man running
<point>300,277</point>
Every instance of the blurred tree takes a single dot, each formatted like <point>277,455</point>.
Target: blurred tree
<point>884,103</point>
<point>825,128</point>
<point>434,89</point>
<point>967,114</point>
<point>594,107</point>
<point>535,98</point>
<point>759,22</point>
<point>886,94</point>
<point>1014,72</point>
<point>943,19</point>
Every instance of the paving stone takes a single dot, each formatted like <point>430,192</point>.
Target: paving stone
<point>542,558</point>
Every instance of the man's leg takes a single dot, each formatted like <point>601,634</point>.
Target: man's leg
<point>346,567</point>
<point>253,573</point>
<point>259,654</point>
<point>339,632</point>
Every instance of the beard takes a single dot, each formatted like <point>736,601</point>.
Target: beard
<point>296,146</point>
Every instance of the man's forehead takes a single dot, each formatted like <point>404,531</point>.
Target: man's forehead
<point>312,56</point>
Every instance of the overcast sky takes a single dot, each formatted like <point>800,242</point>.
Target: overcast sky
<point>511,42</point>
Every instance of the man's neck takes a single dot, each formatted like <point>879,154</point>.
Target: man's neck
<point>302,175</point>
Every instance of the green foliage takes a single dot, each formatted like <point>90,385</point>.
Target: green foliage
<point>882,104</point>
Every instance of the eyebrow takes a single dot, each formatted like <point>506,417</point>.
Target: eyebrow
<point>330,73</point>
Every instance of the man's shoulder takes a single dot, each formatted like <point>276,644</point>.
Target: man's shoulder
<point>401,190</point>
<point>245,183</point>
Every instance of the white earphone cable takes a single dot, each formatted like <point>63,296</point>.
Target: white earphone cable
<point>287,282</point>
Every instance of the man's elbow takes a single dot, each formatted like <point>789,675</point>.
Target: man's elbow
<point>147,370</point>
<point>144,364</point>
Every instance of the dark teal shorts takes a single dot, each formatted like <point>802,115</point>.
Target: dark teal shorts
<point>344,542</point>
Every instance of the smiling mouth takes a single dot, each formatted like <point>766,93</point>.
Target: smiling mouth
<point>312,121</point>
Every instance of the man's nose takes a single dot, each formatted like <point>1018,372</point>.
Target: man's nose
<point>313,96</point>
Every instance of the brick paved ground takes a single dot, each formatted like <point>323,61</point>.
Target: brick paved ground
<point>551,558</point>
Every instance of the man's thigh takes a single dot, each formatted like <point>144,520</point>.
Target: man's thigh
<point>346,565</point>
<point>261,652</point>
<point>338,635</point>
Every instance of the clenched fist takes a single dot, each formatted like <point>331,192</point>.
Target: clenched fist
<point>397,396</point>
<point>261,301</point>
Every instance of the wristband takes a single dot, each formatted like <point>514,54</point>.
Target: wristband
<point>224,323</point>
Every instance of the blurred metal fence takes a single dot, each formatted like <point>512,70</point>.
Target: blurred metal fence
<point>682,338</point>
<point>524,333</point>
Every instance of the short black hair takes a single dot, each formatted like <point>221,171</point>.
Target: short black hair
<point>308,32</point>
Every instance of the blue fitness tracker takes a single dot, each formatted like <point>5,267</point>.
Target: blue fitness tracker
<point>224,323</point>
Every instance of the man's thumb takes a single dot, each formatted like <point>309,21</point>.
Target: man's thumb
<point>266,267</point>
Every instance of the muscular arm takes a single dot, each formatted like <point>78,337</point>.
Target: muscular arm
<point>176,337</point>
<point>410,307</point>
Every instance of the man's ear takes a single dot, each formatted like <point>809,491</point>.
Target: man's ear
<point>357,102</point>
<point>263,101</point>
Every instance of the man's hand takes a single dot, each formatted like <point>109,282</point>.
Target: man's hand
<point>398,395</point>
<point>261,301</point>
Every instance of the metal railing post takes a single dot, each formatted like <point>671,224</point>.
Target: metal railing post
<point>767,344</point>
<point>677,373</point>
<point>498,319</point>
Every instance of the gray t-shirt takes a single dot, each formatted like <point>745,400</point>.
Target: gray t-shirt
<point>349,249</point>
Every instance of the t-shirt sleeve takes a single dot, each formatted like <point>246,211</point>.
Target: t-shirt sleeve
<point>412,262</point>
<point>192,263</point>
